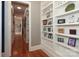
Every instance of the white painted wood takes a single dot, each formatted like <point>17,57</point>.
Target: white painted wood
<point>52,47</point>
<point>67,35</point>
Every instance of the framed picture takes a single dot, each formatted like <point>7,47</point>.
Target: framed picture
<point>61,21</point>
<point>72,31</point>
<point>44,22</point>
<point>50,35</point>
<point>60,39</point>
<point>70,7</point>
<point>49,29</point>
<point>72,42</point>
<point>61,30</point>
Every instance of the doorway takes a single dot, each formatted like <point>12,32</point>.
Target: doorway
<point>19,25</point>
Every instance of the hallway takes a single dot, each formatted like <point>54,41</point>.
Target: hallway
<point>19,50</point>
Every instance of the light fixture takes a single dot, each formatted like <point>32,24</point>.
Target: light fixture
<point>18,7</point>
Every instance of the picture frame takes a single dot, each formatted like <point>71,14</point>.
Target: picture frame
<point>61,30</point>
<point>50,35</point>
<point>72,42</point>
<point>44,22</point>
<point>49,29</point>
<point>72,31</point>
<point>70,7</point>
<point>61,21</point>
<point>60,39</point>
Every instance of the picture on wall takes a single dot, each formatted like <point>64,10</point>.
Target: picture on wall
<point>49,29</point>
<point>72,42</point>
<point>44,22</point>
<point>50,22</point>
<point>72,31</point>
<point>50,35</point>
<point>60,39</point>
<point>70,7</point>
<point>61,21</point>
<point>61,30</point>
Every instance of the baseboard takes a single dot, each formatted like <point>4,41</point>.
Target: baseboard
<point>35,48</point>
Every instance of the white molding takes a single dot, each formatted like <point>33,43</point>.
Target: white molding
<point>29,26</point>
<point>35,48</point>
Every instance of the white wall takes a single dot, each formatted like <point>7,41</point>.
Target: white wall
<point>0,28</point>
<point>7,28</point>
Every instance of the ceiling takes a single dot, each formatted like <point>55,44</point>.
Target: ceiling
<point>19,12</point>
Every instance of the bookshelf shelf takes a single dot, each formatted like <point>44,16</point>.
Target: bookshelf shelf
<point>67,35</point>
<point>68,24</point>
<point>67,13</point>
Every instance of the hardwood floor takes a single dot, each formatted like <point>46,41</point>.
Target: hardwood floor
<point>20,49</point>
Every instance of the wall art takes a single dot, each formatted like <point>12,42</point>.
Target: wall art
<point>50,35</point>
<point>72,31</point>
<point>60,39</point>
<point>61,21</point>
<point>61,30</point>
<point>72,42</point>
<point>70,7</point>
<point>44,22</point>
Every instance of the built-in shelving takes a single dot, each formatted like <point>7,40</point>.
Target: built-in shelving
<point>47,5</point>
<point>68,24</point>
<point>71,22</point>
<point>62,4</point>
<point>67,35</point>
<point>66,46</point>
<point>47,12</point>
<point>67,13</point>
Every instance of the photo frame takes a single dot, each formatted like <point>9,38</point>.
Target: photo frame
<point>61,21</point>
<point>72,42</point>
<point>61,30</point>
<point>50,35</point>
<point>44,22</point>
<point>70,7</point>
<point>72,31</point>
<point>49,29</point>
<point>60,39</point>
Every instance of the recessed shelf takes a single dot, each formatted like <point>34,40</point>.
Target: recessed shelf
<point>67,35</point>
<point>63,4</point>
<point>67,13</point>
<point>47,32</point>
<point>46,6</point>
<point>66,46</point>
<point>45,38</point>
<point>68,24</point>
<point>48,18</point>
<point>48,25</point>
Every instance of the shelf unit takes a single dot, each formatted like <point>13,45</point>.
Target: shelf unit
<point>67,35</point>
<point>67,13</point>
<point>52,44</point>
<point>47,13</point>
<point>66,26</point>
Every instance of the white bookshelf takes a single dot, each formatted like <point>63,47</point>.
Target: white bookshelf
<point>47,13</point>
<point>67,35</point>
<point>66,46</point>
<point>67,13</point>
<point>52,46</point>
<point>66,26</point>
